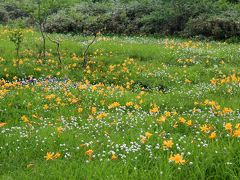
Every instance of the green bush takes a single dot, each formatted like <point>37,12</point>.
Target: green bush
<point>19,23</point>
<point>218,26</point>
<point>212,18</point>
<point>3,16</point>
<point>14,12</point>
<point>60,23</point>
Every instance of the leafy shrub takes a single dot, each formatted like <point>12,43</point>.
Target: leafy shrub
<point>221,27</point>
<point>3,16</point>
<point>14,12</point>
<point>20,23</point>
<point>60,23</point>
<point>218,19</point>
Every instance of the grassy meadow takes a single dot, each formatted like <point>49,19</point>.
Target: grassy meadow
<point>144,108</point>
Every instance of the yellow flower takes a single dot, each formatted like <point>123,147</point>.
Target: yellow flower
<point>57,155</point>
<point>129,103</point>
<point>189,123</point>
<point>111,68</point>
<point>161,119</point>
<point>94,88</point>
<point>52,156</point>
<point>45,106</point>
<point>30,165</point>
<point>113,105</point>
<point>167,114</point>
<point>102,102</point>
<point>34,116</point>
<point>29,105</point>
<point>59,129</point>
<point>237,126</point>
<point>82,86</point>
<point>102,115</point>
<point>182,120</point>
<point>74,65</point>
<point>178,159</point>
<point>213,135</point>
<point>80,109</point>
<point>188,81</point>
<point>37,69</point>
<point>227,110</point>
<point>25,119</point>
<point>175,125</point>
<point>94,110</point>
<point>49,156</point>
<point>175,113</point>
<point>154,109</point>
<point>167,144</point>
<point>89,152</point>
<point>143,140</point>
<point>213,81</point>
<point>228,126</point>
<point>136,106</point>
<point>204,128</point>
<point>82,145</point>
<point>236,133</point>
<point>114,157</point>
<point>148,135</point>
<point>74,100</point>
<point>50,97</point>
<point>2,124</point>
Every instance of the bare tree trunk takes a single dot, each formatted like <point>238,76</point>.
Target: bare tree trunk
<point>17,50</point>
<point>57,42</point>
<point>85,54</point>
<point>41,28</point>
<point>44,42</point>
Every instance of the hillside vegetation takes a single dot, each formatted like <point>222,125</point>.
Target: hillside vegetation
<point>218,19</point>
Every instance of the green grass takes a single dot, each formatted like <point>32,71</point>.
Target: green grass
<point>173,75</point>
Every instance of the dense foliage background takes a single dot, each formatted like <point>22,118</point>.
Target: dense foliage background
<point>218,19</point>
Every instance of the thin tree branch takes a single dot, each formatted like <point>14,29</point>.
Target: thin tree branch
<point>57,42</point>
<point>85,57</point>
